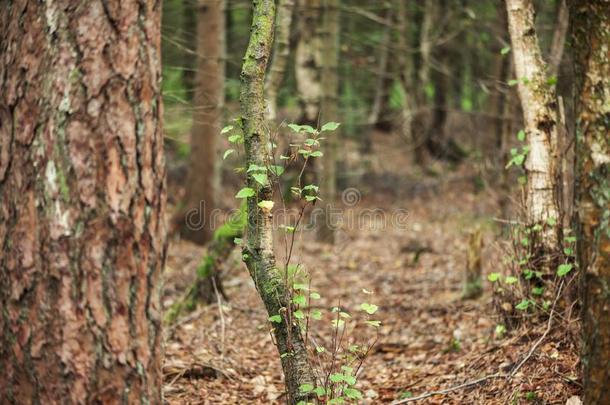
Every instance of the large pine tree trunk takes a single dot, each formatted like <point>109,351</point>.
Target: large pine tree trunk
<point>258,253</point>
<point>82,201</point>
<point>196,218</point>
<point>539,105</point>
<point>591,39</point>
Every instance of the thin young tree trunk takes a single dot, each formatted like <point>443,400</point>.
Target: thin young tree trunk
<point>195,220</point>
<point>590,30</point>
<point>559,38</point>
<point>539,104</point>
<point>419,131</point>
<point>382,73</point>
<point>82,202</point>
<point>329,106</point>
<point>308,61</point>
<point>406,68</point>
<point>259,253</point>
<point>281,52</point>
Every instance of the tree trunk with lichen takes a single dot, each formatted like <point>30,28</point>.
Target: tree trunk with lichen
<point>196,220</point>
<point>281,52</point>
<point>308,61</point>
<point>329,112</point>
<point>258,252</point>
<point>590,26</point>
<point>539,104</point>
<point>82,202</point>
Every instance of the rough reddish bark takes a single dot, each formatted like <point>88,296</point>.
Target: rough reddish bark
<point>81,202</point>
<point>590,25</point>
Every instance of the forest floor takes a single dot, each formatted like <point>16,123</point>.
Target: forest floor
<point>430,339</point>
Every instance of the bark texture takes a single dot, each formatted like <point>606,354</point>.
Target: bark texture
<point>259,253</point>
<point>539,104</point>
<point>329,104</point>
<point>281,52</point>
<point>82,202</point>
<point>196,218</point>
<point>308,61</point>
<point>590,22</point>
<point>473,287</point>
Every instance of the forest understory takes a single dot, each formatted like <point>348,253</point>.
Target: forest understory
<point>430,339</point>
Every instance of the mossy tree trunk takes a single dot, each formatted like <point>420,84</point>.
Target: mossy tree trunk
<point>82,202</point>
<point>539,104</point>
<point>590,26</point>
<point>259,250</point>
<point>196,219</point>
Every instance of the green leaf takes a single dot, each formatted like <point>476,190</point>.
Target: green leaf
<point>336,378</point>
<point>227,153</point>
<point>276,170</point>
<point>298,314</point>
<point>511,280</point>
<point>310,198</point>
<point>521,135</point>
<point>349,379</point>
<point>551,81</point>
<point>317,315</point>
<point>308,129</point>
<point>265,204</point>
<point>261,178</point>
<point>256,168</point>
<point>314,296</point>
<point>295,127</point>
<point>226,129</point>
<point>311,187</point>
<point>500,330</point>
<point>564,269</point>
<point>237,241</point>
<point>352,393</point>
<point>523,305</point>
<point>551,221</point>
<point>513,82</point>
<point>300,286</point>
<point>235,138</point>
<point>330,126</point>
<point>493,277</point>
<point>305,388</point>
<point>316,153</point>
<point>275,318</point>
<point>320,349</point>
<point>320,391</point>
<point>369,308</point>
<point>505,50</point>
<point>299,300</point>
<point>288,228</point>
<point>245,193</point>
<point>538,290</point>
<point>374,324</point>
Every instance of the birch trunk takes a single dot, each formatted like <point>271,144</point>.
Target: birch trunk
<point>590,25</point>
<point>259,252</point>
<point>82,202</point>
<point>281,52</point>
<point>539,105</point>
<point>308,61</point>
